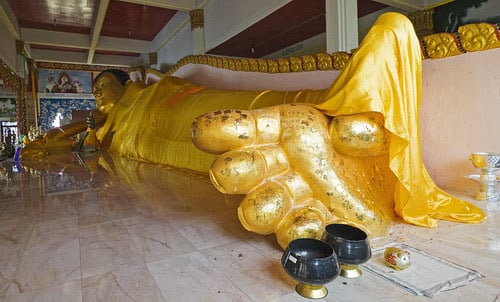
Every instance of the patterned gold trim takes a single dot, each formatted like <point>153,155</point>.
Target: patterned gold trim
<point>196,17</point>
<point>479,37</point>
<point>81,67</point>
<point>469,38</point>
<point>441,45</point>
<point>322,61</point>
<point>10,78</point>
<point>422,22</point>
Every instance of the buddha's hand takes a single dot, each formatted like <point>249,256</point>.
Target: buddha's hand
<point>34,150</point>
<point>283,159</point>
<point>53,141</point>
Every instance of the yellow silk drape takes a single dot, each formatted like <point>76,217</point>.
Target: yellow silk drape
<point>153,123</point>
<point>385,75</point>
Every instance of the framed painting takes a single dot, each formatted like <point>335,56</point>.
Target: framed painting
<point>448,17</point>
<point>64,81</point>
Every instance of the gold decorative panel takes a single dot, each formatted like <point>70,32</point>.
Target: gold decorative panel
<point>441,45</point>
<point>475,37</point>
<point>196,17</point>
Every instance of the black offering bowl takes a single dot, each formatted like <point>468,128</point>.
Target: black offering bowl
<point>313,263</point>
<point>351,246</point>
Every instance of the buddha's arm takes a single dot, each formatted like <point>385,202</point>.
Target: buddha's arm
<point>75,128</point>
<point>60,139</point>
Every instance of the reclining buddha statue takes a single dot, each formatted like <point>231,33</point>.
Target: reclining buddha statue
<point>350,153</point>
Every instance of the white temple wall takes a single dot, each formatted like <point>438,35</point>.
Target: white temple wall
<point>8,49</point>
<point>173,42</point>
<point>223,19</point>
<point>460,114</point>
<point>226,18</point>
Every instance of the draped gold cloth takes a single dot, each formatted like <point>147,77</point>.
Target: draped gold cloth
<point>385,75</point>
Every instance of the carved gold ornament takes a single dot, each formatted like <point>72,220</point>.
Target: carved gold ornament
<point>481,36</point>
<point>441,45</point>
<point>196,17</point>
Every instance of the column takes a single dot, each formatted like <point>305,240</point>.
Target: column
<point>197,31</point>
<point>341,25</point>
<point>153,59</point>
<point>21,64</point>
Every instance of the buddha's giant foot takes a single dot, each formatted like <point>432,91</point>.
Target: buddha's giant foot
<point>295,181</point>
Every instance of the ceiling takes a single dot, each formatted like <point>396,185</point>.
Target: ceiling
<point>117,32</point>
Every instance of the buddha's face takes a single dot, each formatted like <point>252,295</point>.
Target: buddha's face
<point>107,91</point>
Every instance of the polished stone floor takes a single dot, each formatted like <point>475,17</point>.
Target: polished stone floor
<point>110,229</point>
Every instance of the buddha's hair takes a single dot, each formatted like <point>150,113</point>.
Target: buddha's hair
<point>120,75</point>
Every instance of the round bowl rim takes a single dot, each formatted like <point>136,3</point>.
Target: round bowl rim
<point>331,251</point>
<point>348,226</point>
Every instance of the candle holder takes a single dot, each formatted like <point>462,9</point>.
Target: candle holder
<point>488,163</point>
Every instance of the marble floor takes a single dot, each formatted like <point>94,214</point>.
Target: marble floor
<point>116,230</point>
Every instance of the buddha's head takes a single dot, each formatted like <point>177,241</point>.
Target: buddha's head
<point>108,88</point>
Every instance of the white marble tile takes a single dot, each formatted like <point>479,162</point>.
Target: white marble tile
<point>367,287</point>
<point>106,247</point>
<point>192,277</point>
<point>158,204</point>
<point>54,225</point>
<point>16,229</point>
<point>4,209</point>
<point>29,205</point>
<point>95,209</point>
<point>4,285</point>
<point>129,283</point>
<point>59,206</point>
<point>264,243</point>
<point>204,231</point>
<point>42,240</point>
<point>256,273</point>
<point>156,239</point>
<point>174,203</point>
<point>10,256</point>
<point>67,292</point>
<point>46,265</point>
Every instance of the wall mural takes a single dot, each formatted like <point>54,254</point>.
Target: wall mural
<point>55,112</point>
<point>448,17</point>
<point>64,81</point>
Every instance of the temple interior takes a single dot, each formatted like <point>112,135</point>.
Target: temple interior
<point>96,226</point>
